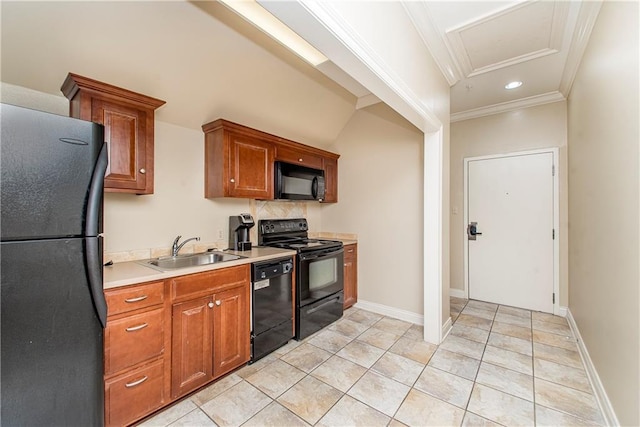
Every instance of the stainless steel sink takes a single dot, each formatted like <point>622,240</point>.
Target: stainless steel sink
<point>189,260</point>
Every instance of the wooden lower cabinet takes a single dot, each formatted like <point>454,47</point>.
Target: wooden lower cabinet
<point>135,394</point>
<point>231,330</point>
<point>350,275</point>
<point>166,339</point>
<point>211,330</point>
<point>191,345</point>
<point>134,353</point>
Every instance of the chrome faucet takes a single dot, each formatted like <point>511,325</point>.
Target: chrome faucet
<point>175,248</point>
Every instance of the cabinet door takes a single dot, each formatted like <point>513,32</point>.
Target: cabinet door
<point>331,180</point>
<point>299,157</point>
<point>250,167</point>
<point>231,334</point>
<point>191,345</point>
<point>350,275</point>
<point>130,156</point>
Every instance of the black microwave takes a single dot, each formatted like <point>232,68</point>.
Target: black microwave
<point>295,182</point>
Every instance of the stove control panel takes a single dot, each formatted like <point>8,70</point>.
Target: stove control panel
<point>273,226</point>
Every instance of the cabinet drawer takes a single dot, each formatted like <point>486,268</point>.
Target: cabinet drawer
<point>209,282</point>
<point>134,297</point>
<point>133,339</point>
<point>134,395</point>
<point>290,155</point>
<point>351,252</point>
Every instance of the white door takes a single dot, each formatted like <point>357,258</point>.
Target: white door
<point>511,260</point>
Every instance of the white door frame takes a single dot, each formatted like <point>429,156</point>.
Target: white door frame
<point>556,218</point>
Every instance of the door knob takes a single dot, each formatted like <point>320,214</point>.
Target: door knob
<point>217,302</point>
<point>472,231</point>
<point>210,305</point>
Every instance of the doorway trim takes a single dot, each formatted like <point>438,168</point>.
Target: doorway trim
<point>556,217</point>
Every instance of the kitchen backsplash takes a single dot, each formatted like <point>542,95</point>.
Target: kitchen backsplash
<point>259,209</point>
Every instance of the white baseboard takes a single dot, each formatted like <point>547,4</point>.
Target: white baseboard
<point>458,293</point>
<point>562,311</point>
<point>608,413</point>
<point>396,313</point>
<point>446,328</point>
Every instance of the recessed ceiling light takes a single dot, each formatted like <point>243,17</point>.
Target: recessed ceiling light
<point>513,85</point>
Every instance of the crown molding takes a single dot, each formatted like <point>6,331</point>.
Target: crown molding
<point>340,29</point>
<point>587,16</point>
<point>531,101</point>
<point>459,50</point>
<point>437,46</point>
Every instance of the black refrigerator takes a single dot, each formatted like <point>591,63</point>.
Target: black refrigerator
<point>53,310</point>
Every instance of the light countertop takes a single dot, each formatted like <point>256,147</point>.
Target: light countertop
<point>348,241</point>
<point>132,272</point>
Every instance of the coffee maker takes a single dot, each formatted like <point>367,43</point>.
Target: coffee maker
<point>239,226</point>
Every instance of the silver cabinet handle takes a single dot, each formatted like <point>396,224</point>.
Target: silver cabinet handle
<point>350,251</point>
<point>300,159</point>
<point>143,171</point>
<point>210,305</point>
<point>217,302</point>
<point>232,180</point>
<point>136,328</point>
<point>137,382</point>
<point>130,300</point>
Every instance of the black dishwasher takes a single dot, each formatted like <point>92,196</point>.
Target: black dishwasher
<point>271,306</point>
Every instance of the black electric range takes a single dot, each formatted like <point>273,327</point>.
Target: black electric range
<point>319,272</point>
<point>291,234</point>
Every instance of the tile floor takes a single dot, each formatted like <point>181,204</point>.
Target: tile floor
<point>499,366</point>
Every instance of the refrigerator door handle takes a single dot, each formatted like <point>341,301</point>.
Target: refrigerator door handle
<point>94,272</point>
<point>93,249</point>
<point>96,189</point>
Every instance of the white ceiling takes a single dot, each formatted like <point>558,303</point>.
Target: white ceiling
<point>177,50</point>
<point>199,57</point>
<point>481,46</point>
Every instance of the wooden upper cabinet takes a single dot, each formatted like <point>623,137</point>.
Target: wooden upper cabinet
<point>330,166</point>
<point>298,156</point>
<point>237,163</point>
<point>128,118</point>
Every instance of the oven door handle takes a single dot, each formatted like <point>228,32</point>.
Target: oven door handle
<point>330,301</point>
<point>328,252</point>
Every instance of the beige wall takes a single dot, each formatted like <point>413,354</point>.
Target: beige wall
<point>205,61</point>
<point>604,211</point>
<point>234,72</point>
<point>380,199</point>
<point>532,128</point>
<point>139,223</point>
<point>248,78</point>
